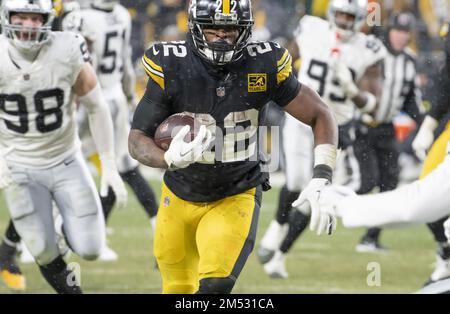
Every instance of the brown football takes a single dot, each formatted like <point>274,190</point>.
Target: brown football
<point>172,125</point>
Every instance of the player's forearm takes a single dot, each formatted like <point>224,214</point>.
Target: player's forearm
<point>129,80</point>
<point>100,122</point>
<point>325,142</point>
<point>308,108</point>
<point>370,89</point>
<point>325,128</point>
<point>143,149</point>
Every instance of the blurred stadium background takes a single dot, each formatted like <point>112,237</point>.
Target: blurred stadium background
<point>316,265</point>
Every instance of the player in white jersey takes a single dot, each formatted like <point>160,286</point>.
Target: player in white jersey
<point>106,25</point>
<point>345,67</point>
<point>423,201</point>
<point>41,73</point>
<point>11,245</point>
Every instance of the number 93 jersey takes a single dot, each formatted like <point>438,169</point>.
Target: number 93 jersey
<point>316,40</point>
<point>227,100</point>
<point>37,101</point>
<point>107,33</point>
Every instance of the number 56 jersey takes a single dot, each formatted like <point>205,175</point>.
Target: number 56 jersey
<point>108,34</point>
<point>316,40</point>
<point>37,101</point>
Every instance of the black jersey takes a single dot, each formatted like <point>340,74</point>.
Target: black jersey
<point>442,105</point>
<point>225,99</point>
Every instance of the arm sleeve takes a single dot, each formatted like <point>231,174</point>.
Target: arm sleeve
<point>288,86</point>
<point>155,105</point>
<point>78,55</point>
<point>100,122</point>
<point>129,77</point>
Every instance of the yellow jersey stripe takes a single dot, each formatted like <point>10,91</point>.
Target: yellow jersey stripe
<point>153,64</point>
<point>285,71</point>
<point>150,69</point>
<point>288,60</point>
<point>283,58</point>
<point>226,7</point>
<point>155,77</point>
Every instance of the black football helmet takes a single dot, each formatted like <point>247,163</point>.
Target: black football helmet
<point>215,14</point>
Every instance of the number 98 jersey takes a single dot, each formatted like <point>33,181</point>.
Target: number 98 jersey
<point>37,102</point>
<point>316,40</point>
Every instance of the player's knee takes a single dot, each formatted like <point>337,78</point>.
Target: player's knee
<point>88,250</point>
<point>89,253</point>
<point>216,286</point>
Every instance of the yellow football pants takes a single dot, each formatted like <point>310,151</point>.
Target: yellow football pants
<point>437,153</point>
<point>194,241</point>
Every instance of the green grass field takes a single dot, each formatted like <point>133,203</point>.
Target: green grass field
<point>316,264</point>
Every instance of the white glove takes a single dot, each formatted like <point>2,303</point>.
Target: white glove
<point>181,154</point>
<point>5,174</point>
<point>332,196</point>
<point>111,178</point>
<point>447,229</point>
<point>323,218</point>
<point>345,78</point>
<point>424,137</point>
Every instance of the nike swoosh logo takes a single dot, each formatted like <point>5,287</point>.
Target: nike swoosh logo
<point>69,162</point>
<point>155,52</point>
<point>184,154</point>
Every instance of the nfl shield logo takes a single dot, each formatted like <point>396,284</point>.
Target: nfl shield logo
<point>220,91</point>
<point>166,201</point>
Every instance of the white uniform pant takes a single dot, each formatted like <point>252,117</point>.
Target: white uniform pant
<point>72,188</point>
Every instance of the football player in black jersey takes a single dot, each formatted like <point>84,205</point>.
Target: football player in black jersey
<point>439,113</point>
<point>211,193</point>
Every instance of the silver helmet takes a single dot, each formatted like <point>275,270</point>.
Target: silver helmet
<point>36,35</point>
<point>357,8</point>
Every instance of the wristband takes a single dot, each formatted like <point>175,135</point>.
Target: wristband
<point>325,154</point>
<point>323,172</point>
